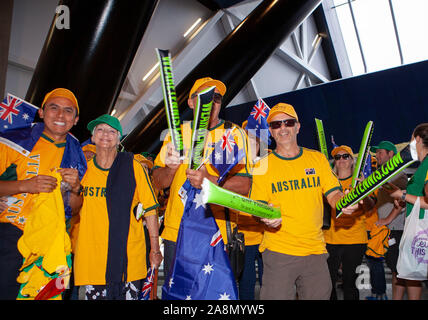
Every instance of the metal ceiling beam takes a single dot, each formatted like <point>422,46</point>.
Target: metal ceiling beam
<point>300,65</point>
<point>241,53</point>
<point>149,98</point>
<point>315,46</point>
<point>78,57</point>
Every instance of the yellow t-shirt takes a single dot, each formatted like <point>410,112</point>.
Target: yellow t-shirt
<point>175,206</point>
<point>347,229</point>
<point>296,185</point>
<point>91,247</point>
<point>45,156</point>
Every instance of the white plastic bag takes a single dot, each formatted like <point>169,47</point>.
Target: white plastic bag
<point>413,257</point>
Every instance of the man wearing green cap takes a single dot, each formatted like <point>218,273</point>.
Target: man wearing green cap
<point>392,217</point>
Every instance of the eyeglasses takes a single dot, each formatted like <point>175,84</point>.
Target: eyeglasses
<point>217,97</point>
<point>286,122</point>
<point>345,156</point>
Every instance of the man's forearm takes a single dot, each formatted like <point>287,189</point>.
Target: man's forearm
<point>8,188</point>
<point>238,184</point>
<point>162,177</point>
<point>153,229</point>
<point>75,201</point>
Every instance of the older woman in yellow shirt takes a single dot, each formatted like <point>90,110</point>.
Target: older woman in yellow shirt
<point>110,251</point>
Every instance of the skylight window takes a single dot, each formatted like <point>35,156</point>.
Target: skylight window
<point>381,34</point>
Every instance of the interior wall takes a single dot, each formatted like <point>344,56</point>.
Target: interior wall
<point>31,21</point>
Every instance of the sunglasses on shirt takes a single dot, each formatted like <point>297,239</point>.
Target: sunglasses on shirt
<point>286,122</point>
<point>345,156</point>
<point>217,97</point>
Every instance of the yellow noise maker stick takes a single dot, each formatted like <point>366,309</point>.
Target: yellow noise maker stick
<point>212,193</point>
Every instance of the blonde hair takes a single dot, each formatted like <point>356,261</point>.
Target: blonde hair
<point>336,169</point>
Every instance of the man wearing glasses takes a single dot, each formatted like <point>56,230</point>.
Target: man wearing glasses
<point>171,171</point>
<point>294,252</point>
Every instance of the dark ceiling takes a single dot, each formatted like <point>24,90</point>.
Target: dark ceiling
<point>219,4</point>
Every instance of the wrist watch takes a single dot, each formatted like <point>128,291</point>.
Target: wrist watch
<point>403,196</point>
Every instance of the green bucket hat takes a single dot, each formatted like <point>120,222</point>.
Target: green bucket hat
<point>386,145</point>
<point>108,119</point>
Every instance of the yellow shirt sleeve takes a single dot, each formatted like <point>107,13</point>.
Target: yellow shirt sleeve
<point>144,192</point>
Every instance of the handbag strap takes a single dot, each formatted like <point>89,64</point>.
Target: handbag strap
<point>228,227</point>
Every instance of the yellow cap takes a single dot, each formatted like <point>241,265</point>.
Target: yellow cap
<point>282,108</point>
<point>209,82</point>
<point>64,93</point>
<point>342,148</point>
<point>244,124</point>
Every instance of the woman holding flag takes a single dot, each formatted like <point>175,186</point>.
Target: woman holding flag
<point>110,251</point>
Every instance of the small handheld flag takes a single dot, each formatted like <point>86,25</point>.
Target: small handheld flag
<point>16,113</point>
<point>225,154</point>
<point>257,121</point>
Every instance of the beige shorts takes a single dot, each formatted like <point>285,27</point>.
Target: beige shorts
<point>284,276</point>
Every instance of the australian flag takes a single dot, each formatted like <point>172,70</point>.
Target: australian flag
<point>24,139</point>
<point>257,121</point>
<point>225,154</point>
<point>16,113</point>
<point>333,143</point>
<point>147,285</point>
<point>201,268</point>
<point>367,169</point>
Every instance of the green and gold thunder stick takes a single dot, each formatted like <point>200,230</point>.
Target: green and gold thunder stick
<point>386,172</point>
<point>201,120</point>
<point>212,193</point>
<point>170,99</point>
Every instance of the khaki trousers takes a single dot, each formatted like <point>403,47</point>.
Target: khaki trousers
<point>285,275</point>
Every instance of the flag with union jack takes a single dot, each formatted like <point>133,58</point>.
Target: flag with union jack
<point>367,169</point>
<point>333,143</point>
<point>16,113</point>
<point>257,121</point>
<point>201,269</point>
<point>226,154</point>
<point>147,285</point>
